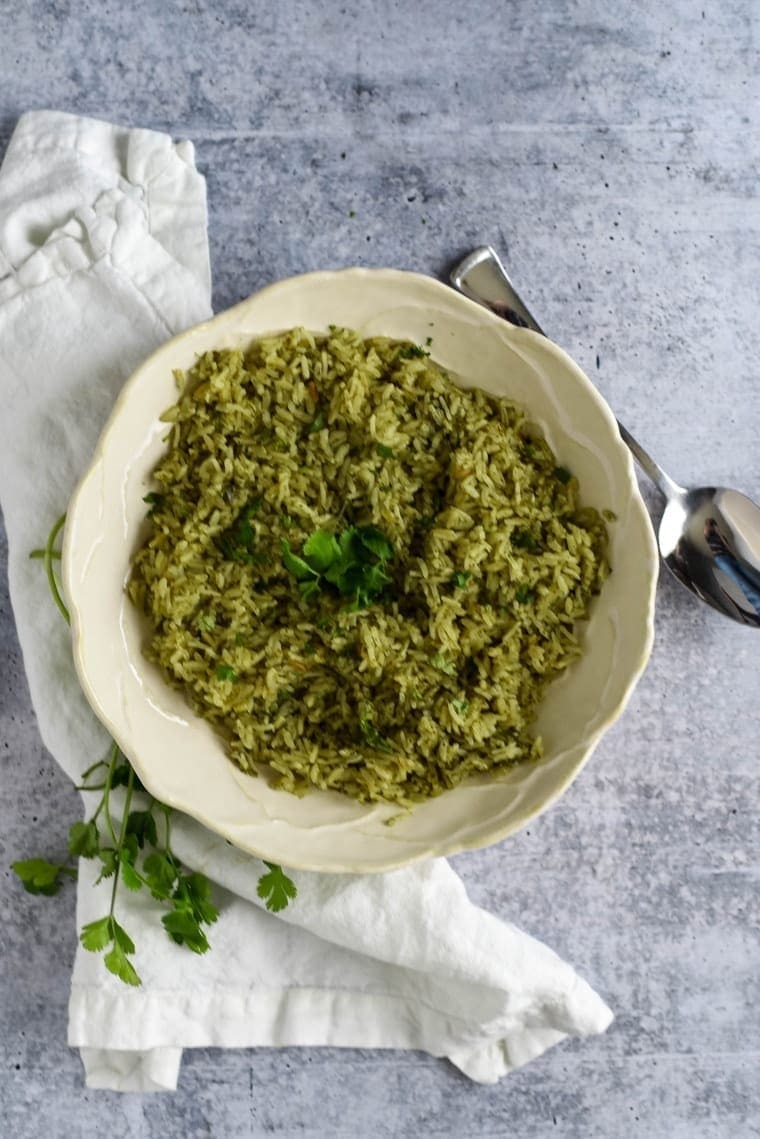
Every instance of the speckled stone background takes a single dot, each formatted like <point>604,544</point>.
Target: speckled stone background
<point>612,152</point>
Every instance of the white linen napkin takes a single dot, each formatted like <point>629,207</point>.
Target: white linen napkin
<point>103,255</point>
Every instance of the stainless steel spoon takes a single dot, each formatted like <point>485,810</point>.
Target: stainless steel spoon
<point>709,537</point>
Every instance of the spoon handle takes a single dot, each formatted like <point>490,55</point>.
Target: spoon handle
<point>483,278</point>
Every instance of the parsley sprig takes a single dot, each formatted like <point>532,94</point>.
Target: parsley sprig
<point>352,562</point>
<point>137,854</point>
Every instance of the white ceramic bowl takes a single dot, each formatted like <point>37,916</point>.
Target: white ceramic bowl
<point>178,756</point>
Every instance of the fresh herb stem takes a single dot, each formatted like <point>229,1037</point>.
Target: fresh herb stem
<point>49,557</point>
<point>94,767</point>
<point>122,835</point>
<point>167,819</point>
<point>113,755</point>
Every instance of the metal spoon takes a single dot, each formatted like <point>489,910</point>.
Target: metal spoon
<point>709,537</point>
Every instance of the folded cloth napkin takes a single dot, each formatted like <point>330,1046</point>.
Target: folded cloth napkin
<point>103,255</point>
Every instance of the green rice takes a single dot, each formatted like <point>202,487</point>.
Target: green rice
<point>395,696</point>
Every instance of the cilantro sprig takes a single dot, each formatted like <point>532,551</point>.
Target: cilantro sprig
<point>353,563</point>
<point>136,854</point>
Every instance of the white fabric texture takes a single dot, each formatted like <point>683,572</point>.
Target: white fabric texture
<point>103,256</point>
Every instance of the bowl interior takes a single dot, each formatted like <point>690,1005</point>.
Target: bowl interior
<point>178,756</point>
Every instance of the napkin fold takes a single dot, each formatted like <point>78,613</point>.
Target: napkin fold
<point>103,256</point>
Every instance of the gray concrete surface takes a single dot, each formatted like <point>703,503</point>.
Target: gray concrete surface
<point>612,152</point>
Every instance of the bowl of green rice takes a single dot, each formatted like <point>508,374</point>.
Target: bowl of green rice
<point>359,574</point>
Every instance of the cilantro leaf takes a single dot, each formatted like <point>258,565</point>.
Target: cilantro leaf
<point>129,848</point>
<point>524,540</point>
<point>237,542</point>
<point>155,501</point>
<point>183,928</point>
<point>160,872</point>
<point>441,662</point>
<point>460,578</point>
<point>363,582</point>
<point>562,474</point>
<point>109,858</point>
<point>300,569</point>
<point>96,935</point>
<point>122,938</point>
<point>525,594</point>
<point>384,451</point>
<point>321,549</point>
<point>375,541</point>
<point>84,839</point>
<point>197,890</point>
<point>121,776</point>
<point>39,876</point>
<point>129,875</point>
<point>117,962</point>
<point>350,555</point>
<point>226,672</point>
<point>143,826</point>
<point>372,736</point>
<point>276,888</point>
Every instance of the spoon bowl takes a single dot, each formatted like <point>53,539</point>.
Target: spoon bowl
<point>709,537</point>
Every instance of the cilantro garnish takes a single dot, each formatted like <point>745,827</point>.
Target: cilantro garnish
<point>562,474</point>
<point>413,352</point>
<point>525,594</point>
<point>225,672</point>
<point>524,540</point>
<point>275,888</point>
<point>460,578</point>
<point>384,451</point>
<point>155,501</point>
<point>353,563</point>
<point>443,664</point>
<point>237,541</point>
<point>372,736</point>
<point>122,852</point>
